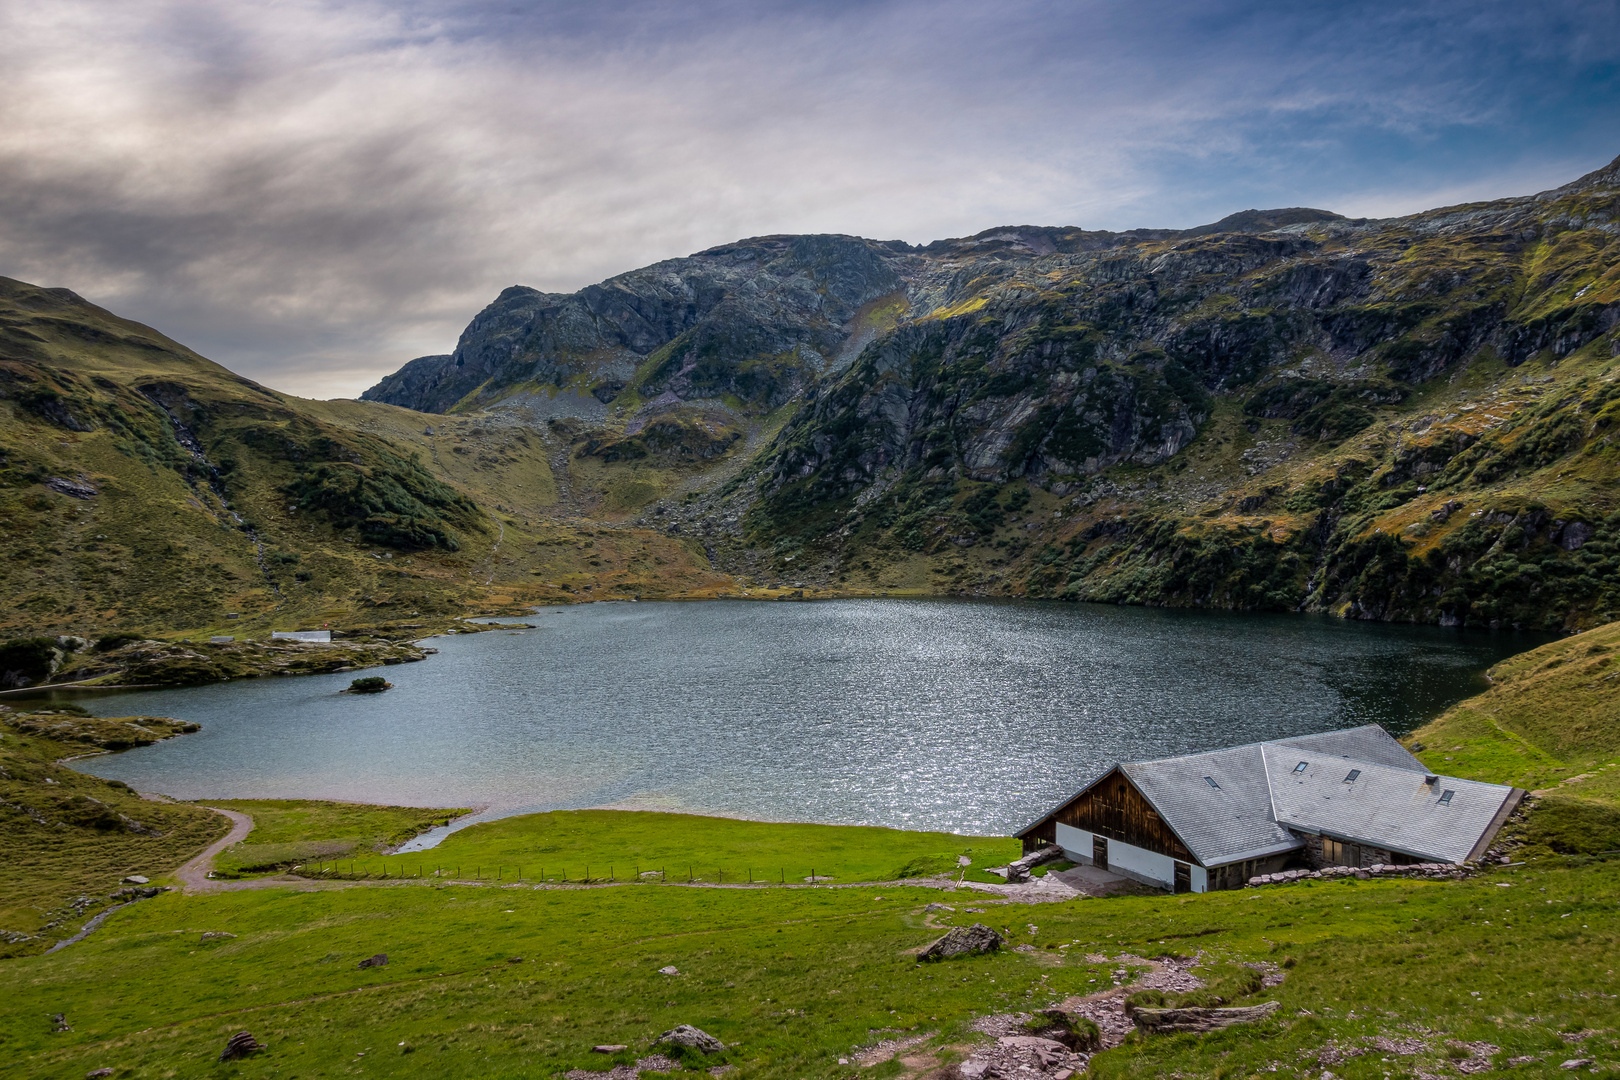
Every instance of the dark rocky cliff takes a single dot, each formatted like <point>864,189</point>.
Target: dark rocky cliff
<point>755,320</point>
<point>1286,408</point>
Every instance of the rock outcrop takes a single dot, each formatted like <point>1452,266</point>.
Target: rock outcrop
<point>1019,869</point>
<point>690,1038</point>
<point>239,1046</point>
<point>756,320</point>
<point>963,941</point>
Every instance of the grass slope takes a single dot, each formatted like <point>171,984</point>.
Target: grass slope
<point>574,844</point>
<point>143,487</point>
<point>520,982</point>
<point>289,831</point>
<point>67,839</point>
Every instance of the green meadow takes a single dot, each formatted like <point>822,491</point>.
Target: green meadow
<point>631,845</point>
<point>519,981</point>
<point>288,832</point>
<point>488,977</point>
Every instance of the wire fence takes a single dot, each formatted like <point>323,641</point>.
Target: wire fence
<point>542,874</point>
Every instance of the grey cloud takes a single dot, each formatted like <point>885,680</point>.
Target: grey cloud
<point>313,193</point>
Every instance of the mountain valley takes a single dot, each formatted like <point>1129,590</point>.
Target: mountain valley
<point>1406,419</point>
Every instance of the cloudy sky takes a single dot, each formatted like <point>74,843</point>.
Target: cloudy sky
<point>314,192</point>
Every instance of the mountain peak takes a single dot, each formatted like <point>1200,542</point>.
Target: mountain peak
<point>1606,177</point>
<point>1256,221</point>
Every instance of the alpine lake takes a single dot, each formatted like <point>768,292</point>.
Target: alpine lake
<point>968,716</point>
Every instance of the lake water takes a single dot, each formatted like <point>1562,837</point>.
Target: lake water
<point>939,714</point>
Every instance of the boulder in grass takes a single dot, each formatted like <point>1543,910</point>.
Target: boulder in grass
<point>375,961</point>
<point>690,1038</point>
<point>963,941</point>
<point>239,1046</point>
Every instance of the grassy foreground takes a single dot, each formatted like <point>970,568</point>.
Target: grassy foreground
<point>624,845</point>
<point>67,839</point>
<point>517,981</point>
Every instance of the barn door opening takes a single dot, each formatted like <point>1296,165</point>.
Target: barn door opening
<point>1183,877</point>
<point>1099,852</point>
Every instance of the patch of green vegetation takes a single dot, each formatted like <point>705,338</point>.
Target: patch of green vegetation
<point>626,843</point>
<point>491,982</point>
<point>27,661</point>
<point>398,504</point>
<point>67,839</point>
<point>673,438</point>
<point>189,663</point>
<point>71,724</point>
<point>1573,826</point>
<point>287,832</point>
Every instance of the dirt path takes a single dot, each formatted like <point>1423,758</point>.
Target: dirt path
<point>193,875</point>
<point>1060,885</point>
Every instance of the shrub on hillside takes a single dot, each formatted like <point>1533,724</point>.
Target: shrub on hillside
<point>28,661</point>
<point>398,504</point>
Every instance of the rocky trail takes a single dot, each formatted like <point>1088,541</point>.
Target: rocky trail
<point>1022,1050</point>
<point>194,874</point>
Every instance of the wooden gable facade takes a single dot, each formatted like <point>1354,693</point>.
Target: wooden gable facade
<point>1112,807</point>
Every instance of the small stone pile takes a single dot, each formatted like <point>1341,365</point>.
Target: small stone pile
<point>657,1063</point>
<point>1025,1056</point>
<point>1198,1018</point>
<point>1019,869</point>
<point>1429,871</point>
<point>1025,1050</point>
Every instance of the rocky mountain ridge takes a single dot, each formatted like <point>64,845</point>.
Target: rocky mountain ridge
<point>1337,359</point>
<point>1402,419</point>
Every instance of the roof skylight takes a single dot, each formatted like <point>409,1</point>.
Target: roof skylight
<point>1353,775</point>
<point>1302,766</point>
<point>1210,780</point>
<point>1445,797</point>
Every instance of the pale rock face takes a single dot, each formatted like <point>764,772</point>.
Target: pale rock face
<point>692,1038</point>
<point>721,312</point>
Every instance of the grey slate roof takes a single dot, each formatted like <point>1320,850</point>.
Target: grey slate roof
<point>1384,807</point>
<point>1369,742</point>
<point>1218,825</point>
<point>1259,799</point>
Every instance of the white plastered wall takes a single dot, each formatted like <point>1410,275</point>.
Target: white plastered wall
<point>1145,866</point>
<point>1076,843</point>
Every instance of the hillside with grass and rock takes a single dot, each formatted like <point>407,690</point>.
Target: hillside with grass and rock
<point>1404,419</point>
<point>143,487</point>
